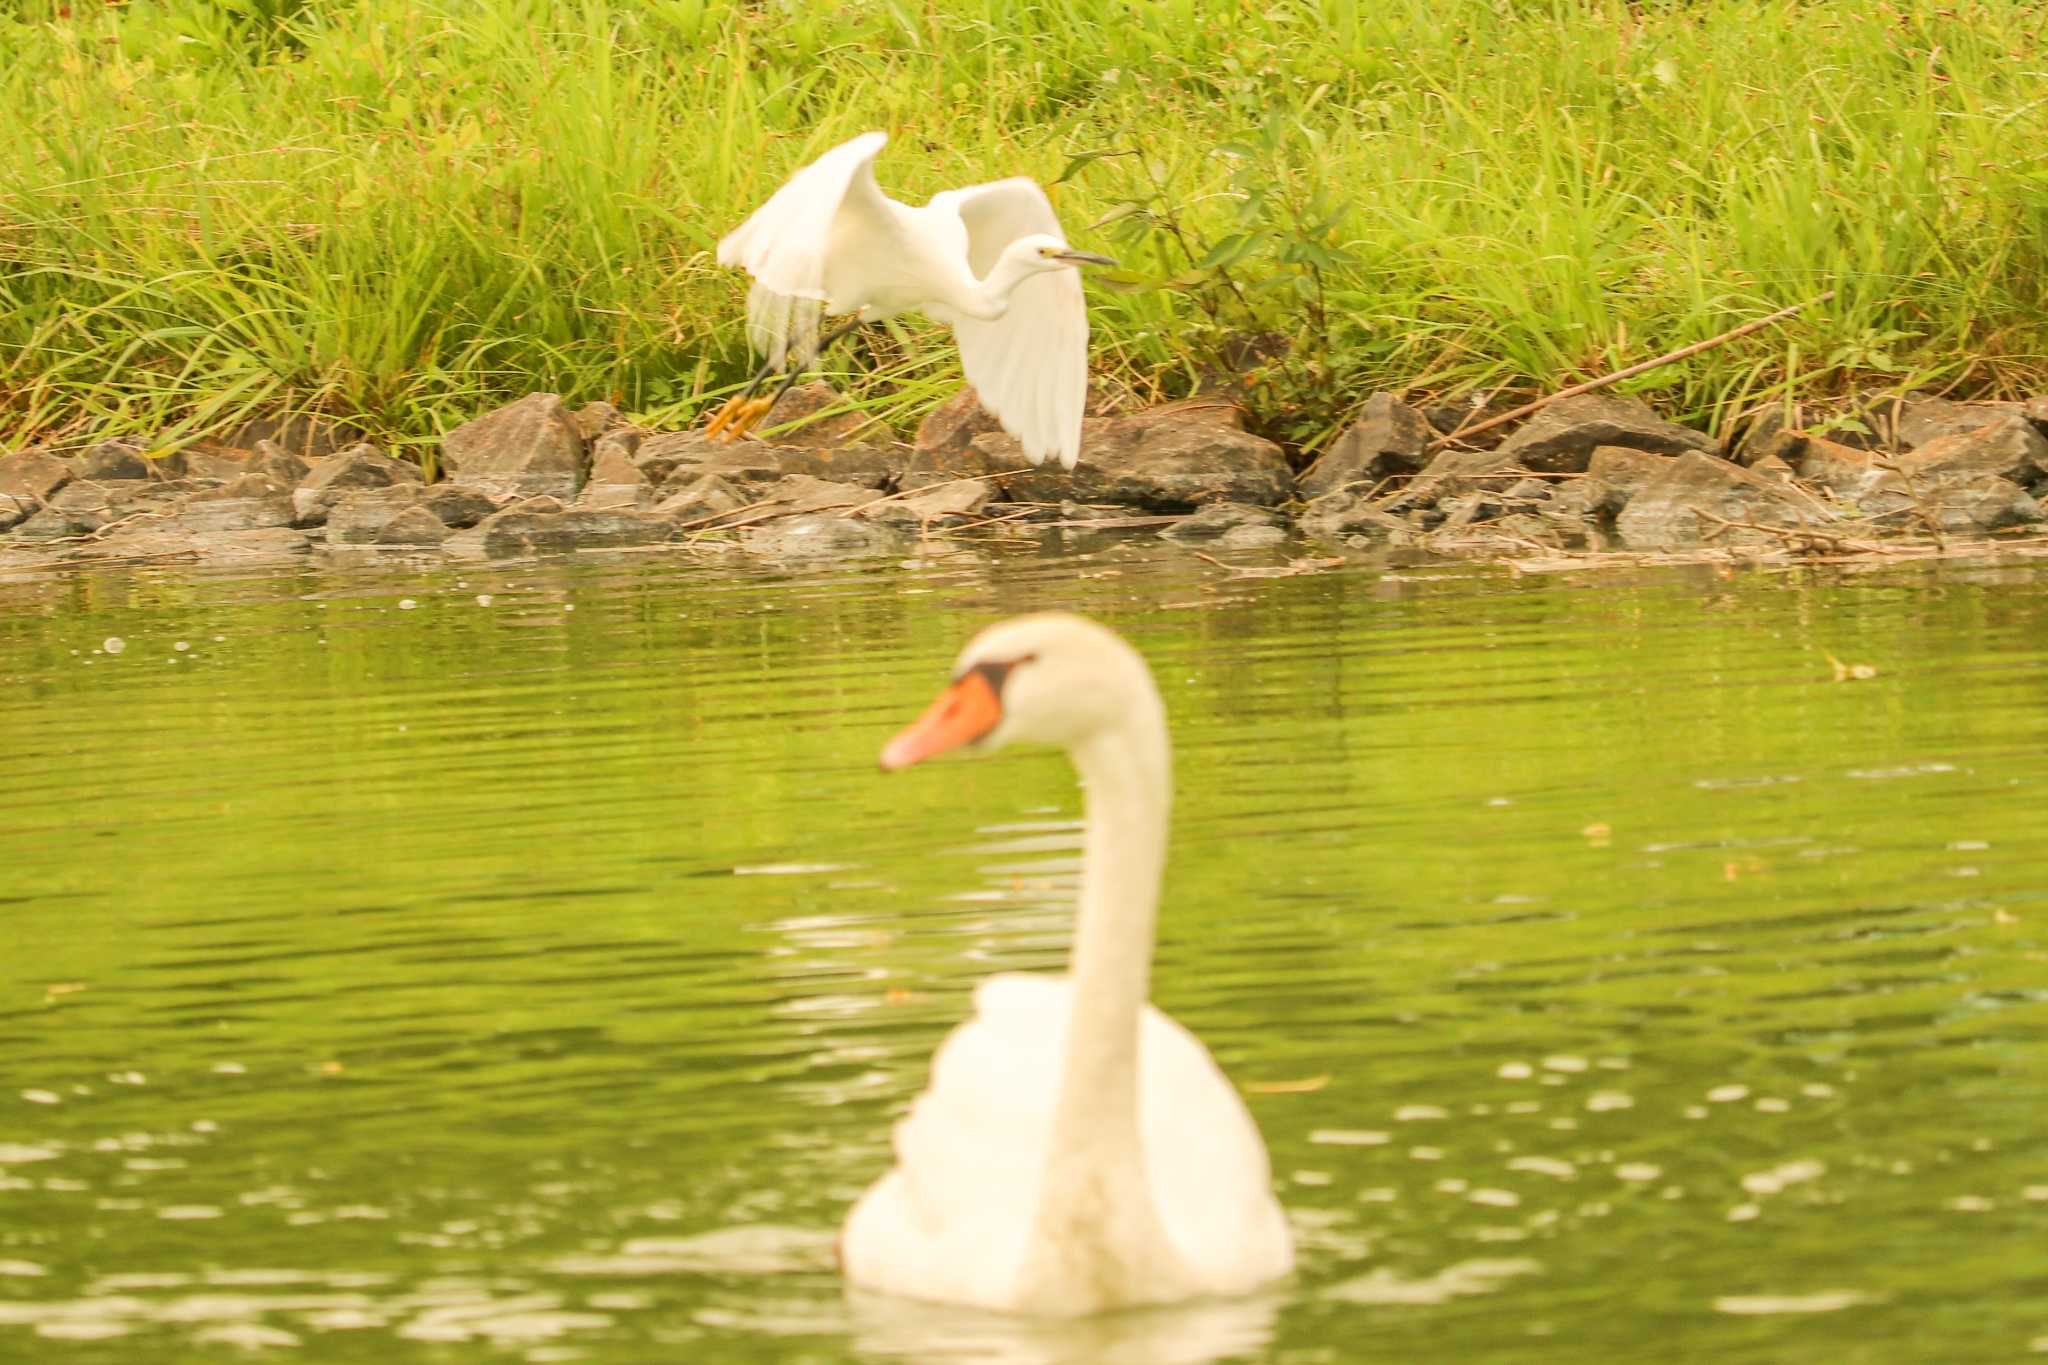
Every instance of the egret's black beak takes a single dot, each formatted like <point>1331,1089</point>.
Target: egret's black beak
<point>1085,258</point>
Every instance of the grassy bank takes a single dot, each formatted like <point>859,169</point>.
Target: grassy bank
<point>405,210</point>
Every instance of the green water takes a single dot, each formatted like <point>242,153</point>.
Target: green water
<point>399,975</point>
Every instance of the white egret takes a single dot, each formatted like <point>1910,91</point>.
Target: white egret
<point>990,260</point>
<point>1075,1150</point>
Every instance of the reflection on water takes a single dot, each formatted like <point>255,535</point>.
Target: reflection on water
<point>531,961</point>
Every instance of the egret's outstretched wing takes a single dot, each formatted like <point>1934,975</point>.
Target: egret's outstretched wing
<point>783,246</point>
<point>1030,366</point>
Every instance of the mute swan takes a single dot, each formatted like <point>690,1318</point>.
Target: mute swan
<point>990,260</point>
<point>1075,1149</point>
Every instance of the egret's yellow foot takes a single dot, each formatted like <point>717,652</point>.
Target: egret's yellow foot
<point>738,417</point>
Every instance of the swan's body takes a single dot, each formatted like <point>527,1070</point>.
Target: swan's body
<point>989,260</point>
<point>1076,1150</point>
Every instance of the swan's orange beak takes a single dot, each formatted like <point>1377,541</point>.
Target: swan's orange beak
<point>962,714</point>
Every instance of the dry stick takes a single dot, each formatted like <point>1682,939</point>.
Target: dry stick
<point>1631,372</point>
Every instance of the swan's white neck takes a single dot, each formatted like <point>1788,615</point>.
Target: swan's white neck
<point>1099,1234</point>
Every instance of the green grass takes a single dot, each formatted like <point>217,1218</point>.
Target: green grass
<point>403,211</point>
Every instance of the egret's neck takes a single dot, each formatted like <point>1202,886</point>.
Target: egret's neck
<point>1099,1235</point>
<point>989,297</point>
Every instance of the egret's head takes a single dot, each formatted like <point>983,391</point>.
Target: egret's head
<point>1043,251</point>
<point>1051,677</point>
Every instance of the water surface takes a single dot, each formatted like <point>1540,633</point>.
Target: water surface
<point>527,963</point>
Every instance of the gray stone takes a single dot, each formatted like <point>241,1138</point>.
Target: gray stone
<point>1252,537</point>
<point>1844,471</point>
<point>1388,438</point>
<point>2007,446</point>
<point>1697,495</point>
<point>795,421</point>
<point>954,501</point>
<point>281,466</point>
<point>357,468</point>
<point>1613,476</point>
<point>525,448</point>
<point>1561,438</point>
<point>704,499</point>
<point>1218,519</point>
<point>1166,459</point>
<point>33,475</point>
<point>1456,472</point>
<point>247,503</point>
<point>533,528</point>
<point>413,526</point>
<point>615,481</point>
<point>948,430</point>
<point>1347,516</point>
<point>303,437</point>
<point>595,419</point>
<point>358,517</point>
<point>1921,420</point>
<point>105,461</point>
<point>690,455</point>
<point>816,536</point>
<point>78,508</point>
<point>1769,433</point>
<point>457,506</point>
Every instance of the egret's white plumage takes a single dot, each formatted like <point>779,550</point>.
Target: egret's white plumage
<point>990,260</point>
<point>1075,1150</point>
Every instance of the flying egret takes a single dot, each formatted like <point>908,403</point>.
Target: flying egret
<point>990,260</point>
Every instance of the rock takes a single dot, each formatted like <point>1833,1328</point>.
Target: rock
<point>1347,516</point>
<point>817,536</point>
<point>535,528</point>
<point>948,430</point>
<point>358,517</point>
<point>2008,446</point>
<point>802,493</point>
<point>1769,433</point>
<point>1561,438</point>
<point>1614,474</point>
<point>1252,537</point>
<point>1218,519</point>
<point>1456,472</point>
<point>359,467</point>
<point>280,466</point>
<point>457,506</point>
<point>257,543</point>
<point>802,404</point>
<point>1844,471</point>
<point>1696,494</point>
<point>593,420</point>
<point>1469,509</point>
<point>1960,503</point>
<point>691,455</point>
<point>1167,459</point>
<point>111,460</point>
<point>615,481</point>
<point>78,508</point>
<point>413,526</point>
<point>15,510</point>
<point>954,501</point>
<point>247,503</point>
<point>706,497</point>
<point>1921,420</point>
<point>298,435</point>
<point>1388,438</point>
<point>225,465</point>
<point>525,448</point>
<point>33,475</point>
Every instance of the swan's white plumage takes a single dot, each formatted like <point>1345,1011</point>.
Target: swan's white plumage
<point>830,242</point>
<point>952,1220</point>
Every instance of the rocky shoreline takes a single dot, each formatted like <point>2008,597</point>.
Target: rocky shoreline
<point>1584,477</point>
